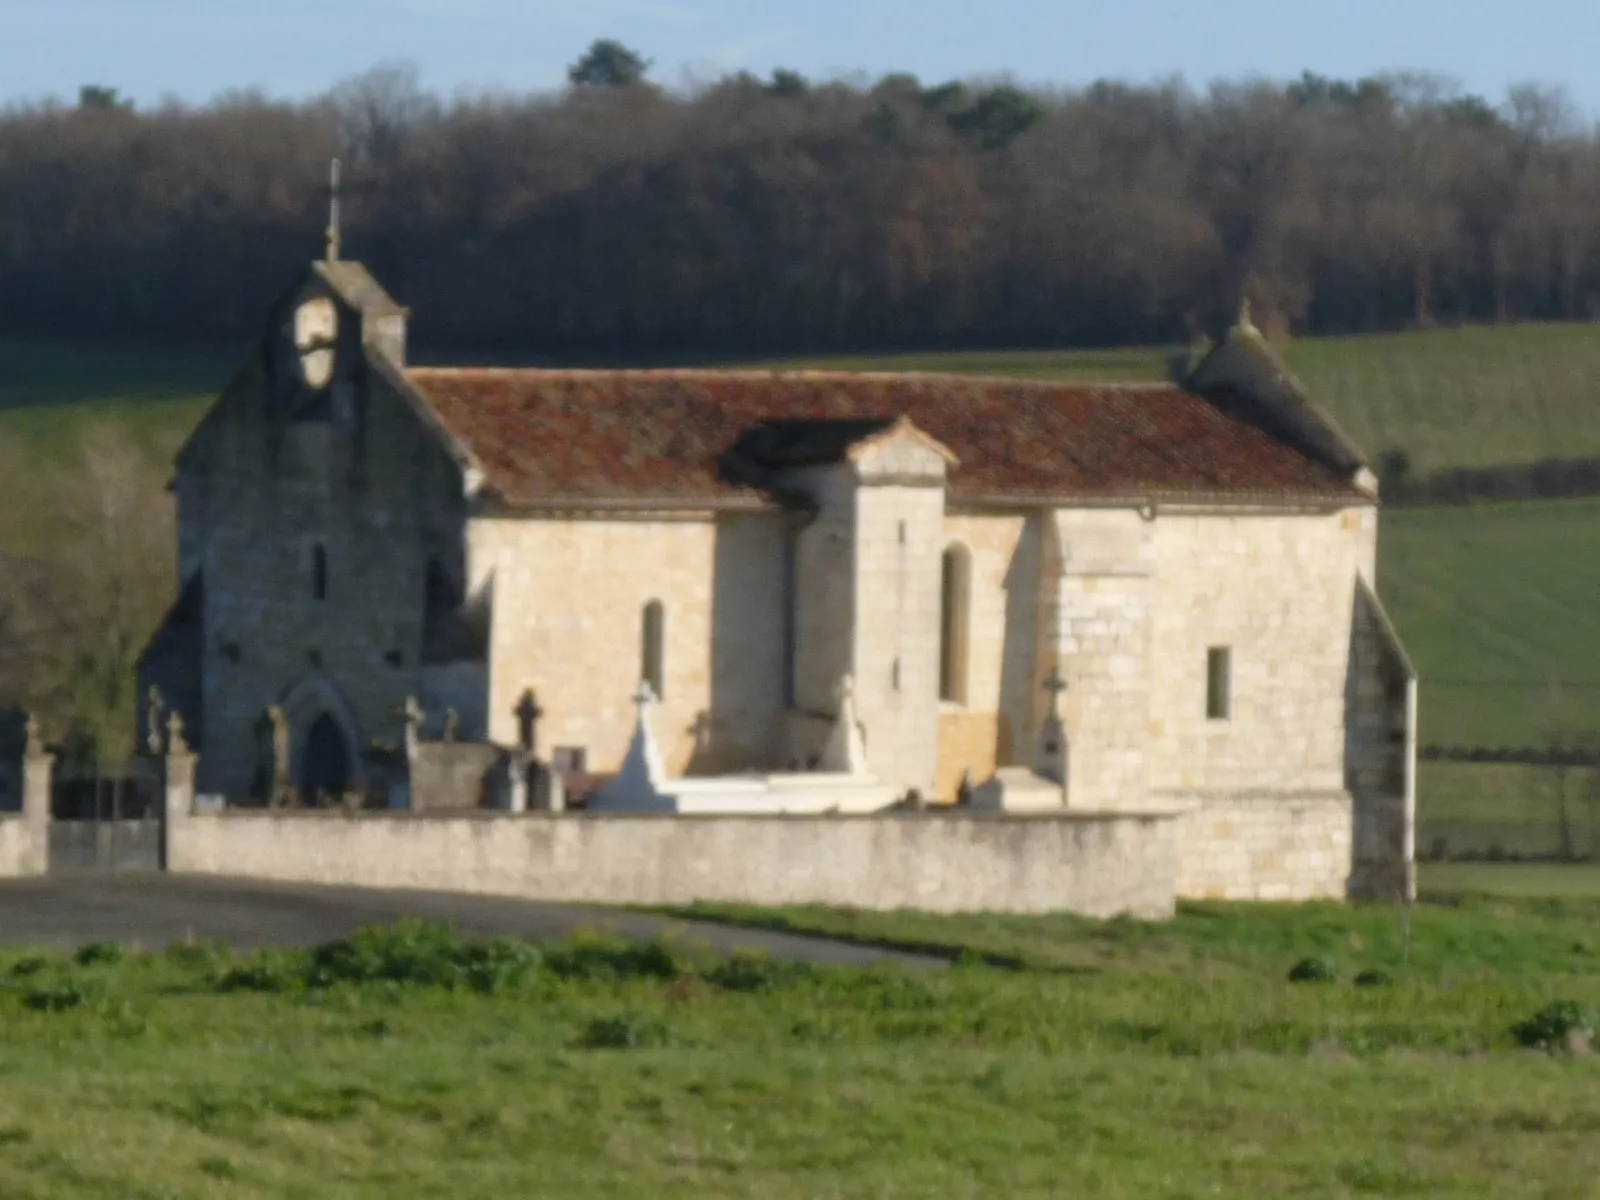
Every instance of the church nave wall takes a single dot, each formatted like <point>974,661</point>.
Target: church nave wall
<point>569,605</point>
<point>993,723</point>
<point>1277,591</point>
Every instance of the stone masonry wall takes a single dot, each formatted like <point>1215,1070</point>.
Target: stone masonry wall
<point>1272,817</point>
<point>824,589</point>
<point>1095,622</point>
<point>1265,847</point>
<point>379,497</point>
<point>1277,590</point>
<point>1097,866</point>
<point>1380,756</point>
<point>569,600</point>
<point>899,548</point>
<point>995,723</point>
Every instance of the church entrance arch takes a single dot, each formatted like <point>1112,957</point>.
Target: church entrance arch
<point>325,755</point>
<point>324,760</point>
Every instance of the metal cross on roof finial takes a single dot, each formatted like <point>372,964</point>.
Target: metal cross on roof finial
<point>333,212</point>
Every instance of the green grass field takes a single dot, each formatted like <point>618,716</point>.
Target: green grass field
<point>1505,811</point>
<point>1111,1059</point>
<point>1519,881</point>
<point>1497,606</point>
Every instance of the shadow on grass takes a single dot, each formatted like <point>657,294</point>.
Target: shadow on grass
<point>954,953</point>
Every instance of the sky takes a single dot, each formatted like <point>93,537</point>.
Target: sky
<point>193,50</point>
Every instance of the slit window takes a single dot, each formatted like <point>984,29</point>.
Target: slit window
<point>319,573</point>
<point>654,651</point>
<point>954,583</point>
<point>1219,683</point>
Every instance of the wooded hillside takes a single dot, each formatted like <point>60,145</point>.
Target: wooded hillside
<point>618,219</point>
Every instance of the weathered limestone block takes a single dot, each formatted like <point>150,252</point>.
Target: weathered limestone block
<point>1265,846</point>
<point>447,775</point>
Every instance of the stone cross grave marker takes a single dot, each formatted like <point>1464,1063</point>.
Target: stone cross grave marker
<point>155,713</point>
<point>35,734</point>
<point>177,742</point>
<point>1052,749</point>
<point>528,713</point>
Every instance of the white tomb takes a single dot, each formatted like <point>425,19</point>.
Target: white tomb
<point>843,784</point>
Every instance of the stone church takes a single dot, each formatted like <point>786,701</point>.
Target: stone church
<point>1194,561</point>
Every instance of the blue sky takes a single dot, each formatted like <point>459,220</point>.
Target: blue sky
<point>194,49</point>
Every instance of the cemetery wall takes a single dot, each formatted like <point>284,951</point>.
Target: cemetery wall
<point>1089,864</point>
<point>21,846</point>
<point>25,835</point>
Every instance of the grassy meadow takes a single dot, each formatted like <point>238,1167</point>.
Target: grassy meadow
<point>1496,603</point>
<point>1507,811</point>
<point>1056,1056</point>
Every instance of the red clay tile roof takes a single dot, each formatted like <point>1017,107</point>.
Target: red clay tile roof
<point>543,435</point>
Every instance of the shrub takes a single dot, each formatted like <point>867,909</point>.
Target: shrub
<point>422,953</point>
<point>1312,970</point>
<point>261,974</point>
<point>1551,1026</point>
<point>31,965</point>
<point>201,955</point>
<point>96,953</point>
<point>498,964</point>
<point>1373,977</point>
<point>590,957</point>
<point>56,999</point>
<point>627,1031</point>
<point>748,972</point>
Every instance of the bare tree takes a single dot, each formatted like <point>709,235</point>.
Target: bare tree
<point>117,568</point>
<point>751,217</point>
<point>1564,738</point>
<point>380,110</point>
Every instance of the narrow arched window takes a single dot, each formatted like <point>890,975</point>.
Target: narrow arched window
<point>955,573</point>
<point>319,573</point>
<point>653,667</point>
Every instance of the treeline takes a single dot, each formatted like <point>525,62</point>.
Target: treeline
<point>617,218</point>
<point>1544,479</point>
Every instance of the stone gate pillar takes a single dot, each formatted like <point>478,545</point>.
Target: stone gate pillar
<point>38,773</point>
<point>178,806</point>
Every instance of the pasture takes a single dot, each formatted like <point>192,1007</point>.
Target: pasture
<point>1132,1060</point>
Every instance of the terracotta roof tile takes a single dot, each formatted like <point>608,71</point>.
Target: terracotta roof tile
<point>543,435</point>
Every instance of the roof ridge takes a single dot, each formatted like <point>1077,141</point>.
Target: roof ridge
<point>543,432</point>
<point>1088,385</point>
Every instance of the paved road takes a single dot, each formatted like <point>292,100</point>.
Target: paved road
<point>156,910</point>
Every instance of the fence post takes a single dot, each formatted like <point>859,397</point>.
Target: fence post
<point>178,803</point>
<point>38,774</point>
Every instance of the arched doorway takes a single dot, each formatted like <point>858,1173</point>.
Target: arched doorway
<point>325,737</point>
<point>325,759</point>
